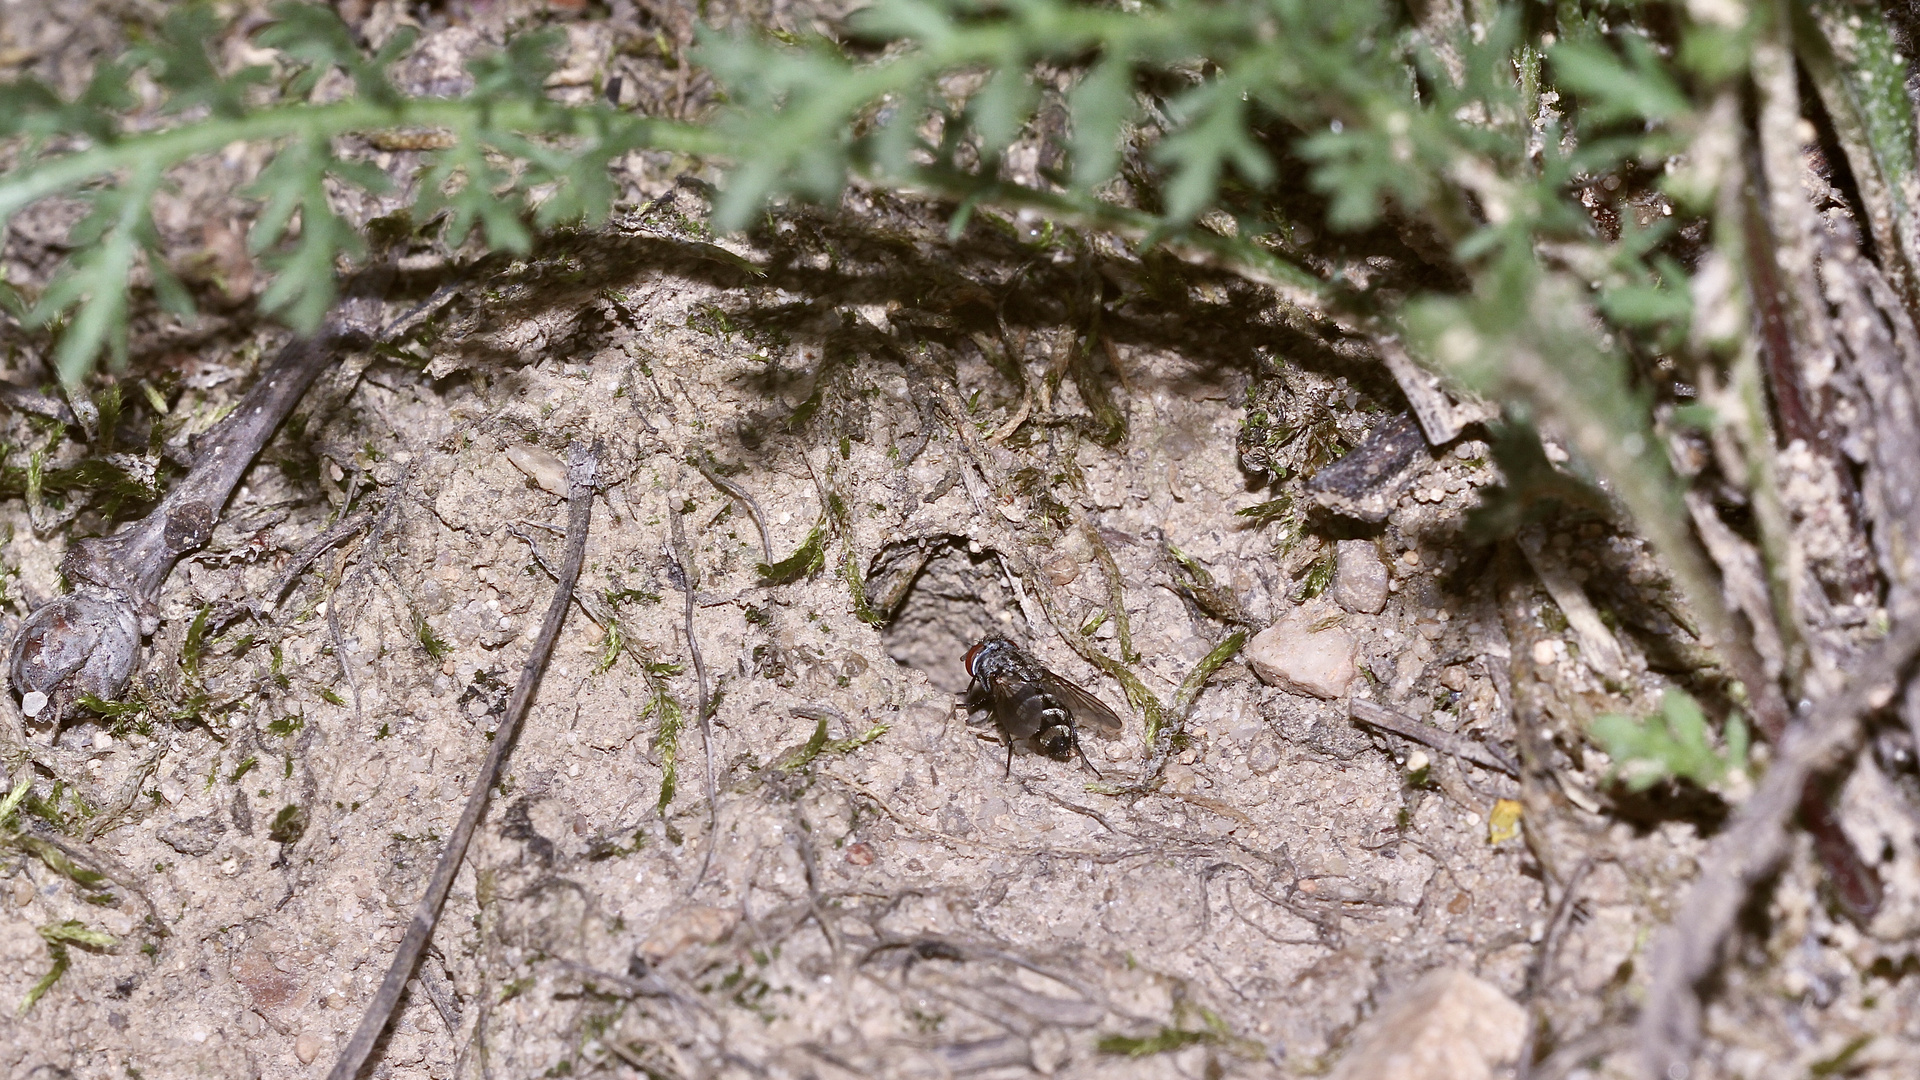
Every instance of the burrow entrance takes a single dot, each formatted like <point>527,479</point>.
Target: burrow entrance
<point>943,594</point>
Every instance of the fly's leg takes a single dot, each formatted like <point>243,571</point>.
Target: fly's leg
<point>1081,750</point>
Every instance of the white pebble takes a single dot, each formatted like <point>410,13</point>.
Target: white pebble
<point>1292,655</point>
<point>541,466</point>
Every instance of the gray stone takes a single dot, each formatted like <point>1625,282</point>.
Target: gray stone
<point>1359,577</point>
<point>1303,655</point>
<point>195,835</point>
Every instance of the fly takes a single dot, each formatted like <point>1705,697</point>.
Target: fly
<point>1030,703</point>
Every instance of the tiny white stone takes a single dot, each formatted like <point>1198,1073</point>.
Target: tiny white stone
<point>1360,579</point>
<point>1418,760</point>
<point>543,467</point>
<point>32,702</point>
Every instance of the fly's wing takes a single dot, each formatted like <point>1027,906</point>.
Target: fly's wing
<point>1088,711</point>
<point>999,695</point>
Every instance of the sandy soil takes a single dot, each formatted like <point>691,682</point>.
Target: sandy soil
<point>895,901</point>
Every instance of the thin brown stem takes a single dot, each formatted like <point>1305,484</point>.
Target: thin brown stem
<point>581,472</point>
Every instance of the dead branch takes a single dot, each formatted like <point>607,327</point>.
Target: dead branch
<point>85,644</point>
<point>581,469</point>
<point>1752,847</point>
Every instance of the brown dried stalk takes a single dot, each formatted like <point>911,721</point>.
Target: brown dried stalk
<point>582,467</point>
<point>87,643</point>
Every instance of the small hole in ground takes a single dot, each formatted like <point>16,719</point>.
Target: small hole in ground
<point>954,599</point>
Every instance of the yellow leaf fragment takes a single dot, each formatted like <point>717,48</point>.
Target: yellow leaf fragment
<point>1503,821</point>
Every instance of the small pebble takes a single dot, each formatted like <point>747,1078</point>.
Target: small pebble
<point>306,1047</point>
<point>542,467</point>
<point>32,703</point>
<point>1360,578</point>
<point>687,926</point>
<point>1446,1026</point>
<point>1543,651</point>
<point>1062,570</point>
<point>1295,658</point>
<point>1417,760</point>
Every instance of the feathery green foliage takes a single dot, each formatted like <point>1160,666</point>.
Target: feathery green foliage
<point>1672,742</point>
<point>1554,181</point>
<point>512,161</point>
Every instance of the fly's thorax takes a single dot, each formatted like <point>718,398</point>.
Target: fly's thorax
<point>994,656</point>
<point>978,658</point>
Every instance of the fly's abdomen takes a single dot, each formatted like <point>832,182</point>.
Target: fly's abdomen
<point>1034,711</point>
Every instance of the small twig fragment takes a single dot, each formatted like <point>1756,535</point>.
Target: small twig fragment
<point>336,535</point>
<point>1375,715</point>
<point>1541,969</point>
<point>581,473</point>
<point>1598,646</point>
<point>738,494</point>
<point>1440,419</point>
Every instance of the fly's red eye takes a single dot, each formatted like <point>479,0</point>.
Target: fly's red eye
<point>973,654</point>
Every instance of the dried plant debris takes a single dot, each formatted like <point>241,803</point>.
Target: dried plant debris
<point>1408,695</point>
<point>874,869</point>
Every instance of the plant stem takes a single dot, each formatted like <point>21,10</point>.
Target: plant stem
<point>582,469</point>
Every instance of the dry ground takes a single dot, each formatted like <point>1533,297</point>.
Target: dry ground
<point>976,450</point>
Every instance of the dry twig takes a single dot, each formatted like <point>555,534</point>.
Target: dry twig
<point>738,494</point>
<point>1541,970</point>
<point>686,574</point>
<point>1752,847</point>
<point>581,469</point>
<point>1367,712</point>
